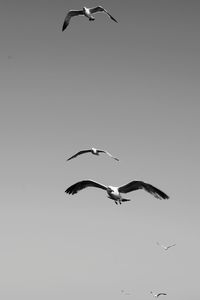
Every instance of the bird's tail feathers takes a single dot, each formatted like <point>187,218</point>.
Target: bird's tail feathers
<point>125,200</point>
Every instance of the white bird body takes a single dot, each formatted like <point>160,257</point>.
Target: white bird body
<point>114,192</point>
<point>87,12</point>
<point>94,151</point>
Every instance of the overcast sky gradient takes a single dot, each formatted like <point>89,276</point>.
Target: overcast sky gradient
<point>131,88</point>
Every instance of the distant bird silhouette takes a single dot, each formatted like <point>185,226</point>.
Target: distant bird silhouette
<point>157,295</point>
<point>125,293</point>
<point>114,193</point>
<point>93,151</point>
<point>87,12</point>
<point>165,247</point>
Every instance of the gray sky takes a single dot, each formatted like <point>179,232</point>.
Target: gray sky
<point>131,88</point>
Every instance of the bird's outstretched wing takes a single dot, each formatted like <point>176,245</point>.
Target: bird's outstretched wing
<point>170,246</point>
<point>101,9</point>
<point>165,247</point>
<point>136,185</point>
<point>161,294</point>
<point>106,152</point>
<point>75,188</point>
<point>79,153</point>
<point>70,14</point>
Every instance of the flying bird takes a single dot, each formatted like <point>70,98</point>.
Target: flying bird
<point>87,12</point>
<point>114,193</point>
<point>157,295</point>
<point>165,247</point>
<point>125,293</point>
<point>93,151</point>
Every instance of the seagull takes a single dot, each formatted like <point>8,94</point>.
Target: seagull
<point>93,151</point>
<point>114,193</point>
<point>87,12</point>
<point>125,293</point>
<point>165,247</point>
<point>157,295</point>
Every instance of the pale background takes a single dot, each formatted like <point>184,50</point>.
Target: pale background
<point>131,88</point>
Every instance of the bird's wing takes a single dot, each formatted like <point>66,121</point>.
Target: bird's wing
<point>160,294</point>
<point>70,14</point>
<point>101,9</point>
<point>79,153</point>
<point>171,246</point>
<point>75,188</point>
<point>106,152</point>
<point>136,185</point>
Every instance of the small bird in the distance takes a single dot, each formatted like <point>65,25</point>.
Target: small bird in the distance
<point>93,151</point>
<point>125,293</point>
<point>165,247</point>
<point>158,295</point>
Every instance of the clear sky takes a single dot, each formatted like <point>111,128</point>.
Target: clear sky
<point>131,88</point>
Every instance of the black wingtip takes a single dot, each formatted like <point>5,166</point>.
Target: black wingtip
<point>64,26</point>
<point>157,193</point>
<point>69,158</point>
<point>68,191</point>
<point>114,19</point>
<point>125,200</point>
<point>160,194</point>
<point>163,196</point>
